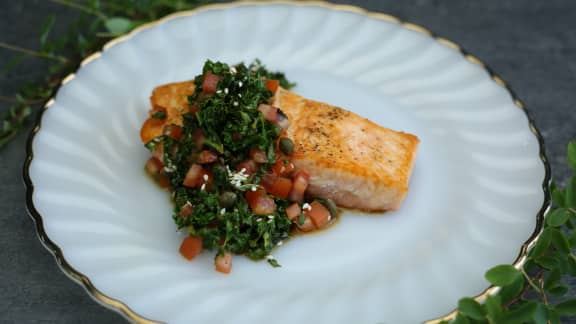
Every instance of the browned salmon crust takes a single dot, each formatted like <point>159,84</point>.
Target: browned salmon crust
<point>351,160</point>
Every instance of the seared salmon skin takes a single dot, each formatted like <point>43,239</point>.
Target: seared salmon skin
<point>351,160</point>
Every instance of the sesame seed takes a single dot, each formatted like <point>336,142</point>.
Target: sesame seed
<point>205,177</point>
<point>222,211</point>
<point>280,243</point>
<point>270,216</point>
<point>270,257</point>
<point>242,170</point>
<point>225,90</point>
<point>239,95</point>
<point>306,206</point>
<point>219,91</point>
<point>253,188</point>
<point>259,220</point>
<point>203,187</point>
<point>235,104</point>
<point>240,84</point>
<point>233,70</point>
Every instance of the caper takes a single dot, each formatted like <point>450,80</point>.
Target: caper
<point>227,199</point>
<point>286,146</point>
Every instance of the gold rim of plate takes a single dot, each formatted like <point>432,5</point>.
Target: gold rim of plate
<point>122,308</point>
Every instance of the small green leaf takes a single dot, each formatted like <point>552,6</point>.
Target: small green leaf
<point>571,266</point>
<point>460,319</point>
<point>560,241</point>
<point>471,308</point>
<point>540,315</point>
<point>45,30</point>
<point>512,290</point>
<point>558,291</point>
<point>542,244</point>
<point>571,192</point>
<point>561,261</point>
<point>502,275</point>
<point>552,279</point>
<point>521,314</point>
<point>493,305</point>
<point>567,307</point>
<point>559,197</point>
<point>553,316</point>
<point>118,25</point>
<point>547,262</point>
<point>557,217</point>
<point>572,155</point>
<point>274,263</point>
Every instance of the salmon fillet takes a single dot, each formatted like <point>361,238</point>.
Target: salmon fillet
<point>351,160</point>
<point>173,97</point>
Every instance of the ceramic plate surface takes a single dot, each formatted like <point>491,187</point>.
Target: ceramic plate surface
<point>476,195</point>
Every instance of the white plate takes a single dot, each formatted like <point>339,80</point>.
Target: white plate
<point>476,195</point>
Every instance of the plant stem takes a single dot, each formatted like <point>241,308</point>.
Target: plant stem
<point>529,280</point>
<point>30,52</point>
<point>27,102</point>
<point>80,7</point>
<point>542,292</point>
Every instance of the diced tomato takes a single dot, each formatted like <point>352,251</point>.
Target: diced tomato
<point>252,196</point>
<point>319,214</point>
<point>267,181</point>
<point>301,180</point>
<point>193,176</point>
<point>223,263</point>
<point>264,206</point>
<point>283,167</point>
<point>191,246</point>
<point>249,165</point>
<point>277,186</point>
<point>173,131</point>
<point>153,166</point>
<point>307,226</point>
<point>270,113</point>
<point>210,83</point>
<point>186,210</point>
<point>258,155</point>
<point>162,180</point>
<point>193,109</point>
<point>260,203</point>
<point>207,157</point>
<point>198,138</point>
<point>293,211</point>
<point>272,85</point>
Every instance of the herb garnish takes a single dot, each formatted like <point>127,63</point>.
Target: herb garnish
<point>231,126</point>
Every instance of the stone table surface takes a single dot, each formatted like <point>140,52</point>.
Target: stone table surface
<point>530,43</point>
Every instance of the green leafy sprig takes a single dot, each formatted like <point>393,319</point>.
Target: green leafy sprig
<point>536,292</point>
<point>97,22</point>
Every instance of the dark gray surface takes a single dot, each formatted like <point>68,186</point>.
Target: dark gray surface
<point>530,43</point>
